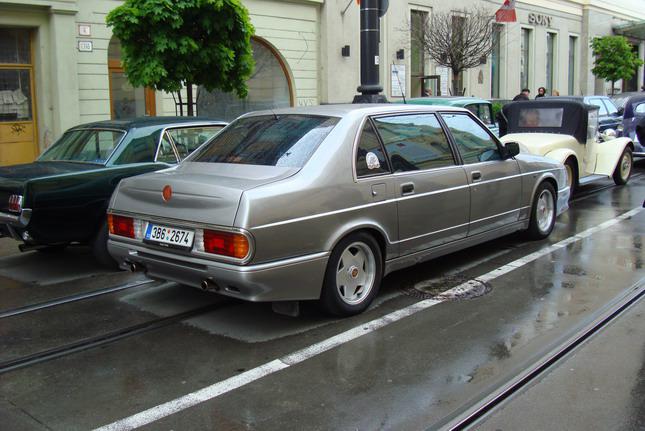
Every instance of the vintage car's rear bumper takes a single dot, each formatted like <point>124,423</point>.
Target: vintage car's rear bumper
<point>297,278</point>
<point>11,222</point>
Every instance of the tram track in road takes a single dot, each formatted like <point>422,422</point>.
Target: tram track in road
<point>71,298</point>
<point>103,339</point>
<point>471,418</point>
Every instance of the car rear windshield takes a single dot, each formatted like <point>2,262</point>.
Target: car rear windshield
<point>90,146</point>
<point>270,140</point>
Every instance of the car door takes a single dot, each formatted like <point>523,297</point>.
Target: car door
<point>495,184</point>
<point>431,188</point>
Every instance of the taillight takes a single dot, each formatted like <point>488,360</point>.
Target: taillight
<point>230,244</point>
<point>121,225</point>
<point>15,203</point>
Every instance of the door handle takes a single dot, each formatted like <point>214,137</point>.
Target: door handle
<point>476,176</point>
<point>407,189</point>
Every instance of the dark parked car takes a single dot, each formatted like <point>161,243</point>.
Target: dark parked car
<point>609,116</point>
<point>61,198</point>
<point>632,106</point>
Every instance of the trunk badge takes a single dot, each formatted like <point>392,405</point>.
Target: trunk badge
<point>166,193</point>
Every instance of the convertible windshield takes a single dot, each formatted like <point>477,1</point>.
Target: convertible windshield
<point>271,140</point>
<point>91,146</point>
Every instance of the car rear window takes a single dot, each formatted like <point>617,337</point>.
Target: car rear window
<point>87,145</point>
<point>270,140</point>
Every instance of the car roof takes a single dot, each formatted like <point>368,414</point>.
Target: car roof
<point>446,100</point>
<point>341,110</point>
<point>133,123</point>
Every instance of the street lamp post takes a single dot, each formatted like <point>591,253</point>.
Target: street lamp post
<point>370,88</point>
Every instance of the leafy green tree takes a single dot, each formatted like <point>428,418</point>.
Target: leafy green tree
<point>168,44</point>
<point>615,59</point>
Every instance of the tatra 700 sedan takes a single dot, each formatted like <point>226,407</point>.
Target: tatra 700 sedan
<point>320,203</point>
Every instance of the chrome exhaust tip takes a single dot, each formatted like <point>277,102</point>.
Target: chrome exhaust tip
<point>209,284</point>
<point>136,267</point>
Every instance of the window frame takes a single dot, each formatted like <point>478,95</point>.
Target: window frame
<point>455,155</point>
<point>365,121</point>
<point>454,144</point>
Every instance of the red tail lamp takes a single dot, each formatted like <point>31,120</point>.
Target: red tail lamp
<point>120,225</point>
<point>229,244</point>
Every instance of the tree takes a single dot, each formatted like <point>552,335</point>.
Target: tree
<point>615,59</point>
<point>169,44</point>
<point>458,40</point>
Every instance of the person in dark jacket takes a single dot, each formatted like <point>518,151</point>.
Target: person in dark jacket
<point>541,92</point>
<point>524,95</point>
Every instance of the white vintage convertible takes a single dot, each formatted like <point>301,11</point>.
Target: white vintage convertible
<point>567,131</point>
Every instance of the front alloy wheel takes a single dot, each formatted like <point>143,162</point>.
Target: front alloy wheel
<point>543,212</point>
<point>353,275</point>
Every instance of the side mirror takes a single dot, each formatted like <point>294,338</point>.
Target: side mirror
<point>510,149</point>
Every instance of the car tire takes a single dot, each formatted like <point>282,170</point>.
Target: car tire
<point>572,175</point>
<point>543,212</point>
<point>353,275</point>
<point>624,167</point>
<point>99,248</point>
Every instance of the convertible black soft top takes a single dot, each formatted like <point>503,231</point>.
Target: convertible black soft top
<point>567,117</point>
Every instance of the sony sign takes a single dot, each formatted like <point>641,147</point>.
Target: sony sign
<point>539,19</point>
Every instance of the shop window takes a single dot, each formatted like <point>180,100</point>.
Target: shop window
<point>525,53</point>
<point>573,41</point>
<point>550,61</point>
<point>269,88</point>
<point>496,62</point>
<point>126,101</point>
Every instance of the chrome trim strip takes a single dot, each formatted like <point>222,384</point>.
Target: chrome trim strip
<point>188,225</point>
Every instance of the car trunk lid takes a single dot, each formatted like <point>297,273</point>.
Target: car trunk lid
<point>201,192</point>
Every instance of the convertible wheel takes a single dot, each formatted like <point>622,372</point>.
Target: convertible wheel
<point>543,212</point>
<point>572,178</point>
<point>353,275</point>
<point>99,248</point>
<point>624,167</point>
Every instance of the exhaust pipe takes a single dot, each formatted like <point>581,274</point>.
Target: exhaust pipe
<point>136,267</point>
<point>209,284</point>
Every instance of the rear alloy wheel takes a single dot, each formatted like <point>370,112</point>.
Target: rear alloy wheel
<point>353,275</point>
<point>543,212</point>
<point>624,167</point>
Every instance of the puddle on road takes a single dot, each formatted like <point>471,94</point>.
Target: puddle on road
<point>451,288</point>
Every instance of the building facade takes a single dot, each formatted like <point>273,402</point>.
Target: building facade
<point>60,65</point>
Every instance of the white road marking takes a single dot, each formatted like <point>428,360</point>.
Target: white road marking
<point>182,403</point>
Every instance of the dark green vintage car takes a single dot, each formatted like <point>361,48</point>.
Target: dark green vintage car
<point>61,198</point>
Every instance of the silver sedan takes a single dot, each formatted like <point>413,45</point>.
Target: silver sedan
<point>320,203</point>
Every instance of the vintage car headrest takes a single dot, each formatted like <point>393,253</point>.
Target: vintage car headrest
<point>567,117</point>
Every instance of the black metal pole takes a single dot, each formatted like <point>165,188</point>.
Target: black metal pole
<point>370,34</point>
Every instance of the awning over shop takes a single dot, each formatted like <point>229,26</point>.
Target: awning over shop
<point>634,30</point>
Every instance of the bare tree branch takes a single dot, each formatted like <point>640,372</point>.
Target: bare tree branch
<point>458,40</point>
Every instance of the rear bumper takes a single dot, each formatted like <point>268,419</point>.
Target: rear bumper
<point>292,279</point>
<point>14,224</point>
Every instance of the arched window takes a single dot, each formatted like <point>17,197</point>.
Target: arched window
<point>126,101</point>
<point>269,88</point>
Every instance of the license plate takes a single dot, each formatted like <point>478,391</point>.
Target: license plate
<point>169,235</point>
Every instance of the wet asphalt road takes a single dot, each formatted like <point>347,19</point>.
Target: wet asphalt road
<point>427,369</point>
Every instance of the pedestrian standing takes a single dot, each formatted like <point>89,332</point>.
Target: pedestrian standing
<point>524,95</point>
<point>541,92</point>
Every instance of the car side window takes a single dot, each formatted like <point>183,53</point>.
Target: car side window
<point>640,109</point>
<point>414,142</point>
<point>474,142</point>
<point>611,108</point>
<point>188,139</point>
<point>370,158</point>
<point>597,102</point>
<point>166,153</point>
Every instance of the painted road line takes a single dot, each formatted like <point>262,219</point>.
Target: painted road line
<point>182,403</point>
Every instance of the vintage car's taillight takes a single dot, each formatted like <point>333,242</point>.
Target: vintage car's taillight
<point>230,244</point>
<point>15,203</point>
<point>125,226</point>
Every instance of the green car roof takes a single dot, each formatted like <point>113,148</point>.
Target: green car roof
<point>445,101</point>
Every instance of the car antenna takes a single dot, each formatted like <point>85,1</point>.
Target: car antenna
<point>275,115</point>
<point>396,72</point>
